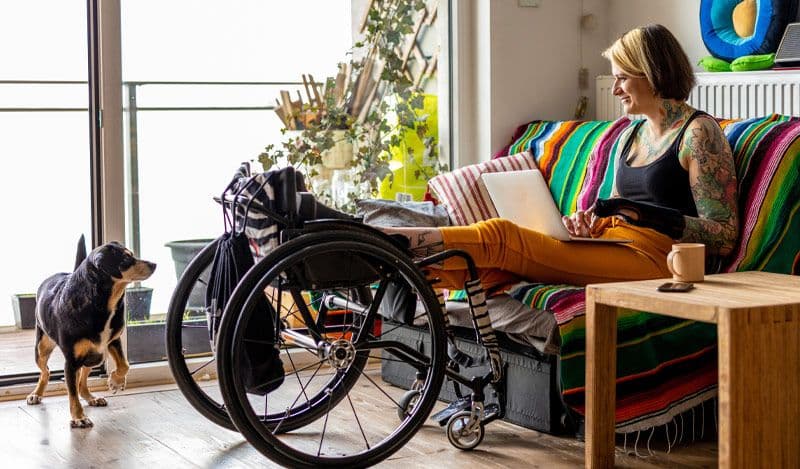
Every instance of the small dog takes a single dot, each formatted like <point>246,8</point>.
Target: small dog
<point>83,313</point>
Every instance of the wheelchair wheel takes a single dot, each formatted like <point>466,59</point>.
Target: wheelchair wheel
<point>187,315</point>
<point>463,432</point>
<point>329,364</point>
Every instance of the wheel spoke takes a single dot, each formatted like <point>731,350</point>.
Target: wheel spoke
<point>325,424</point>
<point>396,360</point>
<point>358,421</point>
<point>192,373</point>
<point>302,392</point>
<point>302,388</point>
<point>364,374</point>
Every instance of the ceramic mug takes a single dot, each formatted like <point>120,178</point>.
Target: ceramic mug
<point>687,262</point>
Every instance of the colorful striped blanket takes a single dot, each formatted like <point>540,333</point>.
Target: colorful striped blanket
<point>665,366</point>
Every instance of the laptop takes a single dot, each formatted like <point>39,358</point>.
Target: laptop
<point>524,198</point>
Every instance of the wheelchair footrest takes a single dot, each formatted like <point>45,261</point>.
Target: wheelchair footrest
<point>444,415</point>
<point>491,412</point>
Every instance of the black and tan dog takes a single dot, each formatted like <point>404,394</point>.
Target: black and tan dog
<point>83,313</point>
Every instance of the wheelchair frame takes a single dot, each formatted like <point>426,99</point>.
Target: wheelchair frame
<point>321,240</point>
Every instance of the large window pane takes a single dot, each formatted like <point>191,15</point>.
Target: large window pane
<point>181,157</point>
<point>44,143</point>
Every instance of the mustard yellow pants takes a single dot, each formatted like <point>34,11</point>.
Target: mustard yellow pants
<point>505,252</point>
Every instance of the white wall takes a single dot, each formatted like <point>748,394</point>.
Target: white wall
<point>522,64</point>
<point>682,17</point>
<point>524,61</point>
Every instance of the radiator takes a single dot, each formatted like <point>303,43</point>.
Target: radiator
<point>733,95</point>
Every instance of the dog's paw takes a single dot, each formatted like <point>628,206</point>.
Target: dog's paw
<point>34,399</point>
<point>81,423</point>
<point>116,382</point>
<point>97,402</point>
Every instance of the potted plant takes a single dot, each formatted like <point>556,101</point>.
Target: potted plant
<point>24,305</point>
<point>137,302</point>
<point>369,106</point>
<point>183,251</point>
<point>147,340</point>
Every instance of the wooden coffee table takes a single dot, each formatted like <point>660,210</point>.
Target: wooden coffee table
<point>758,324</point>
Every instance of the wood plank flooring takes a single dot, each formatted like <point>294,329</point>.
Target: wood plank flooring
<point>156,427</point>
<point>16,348</point>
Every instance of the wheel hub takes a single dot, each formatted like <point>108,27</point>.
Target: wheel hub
<point>341,354</point>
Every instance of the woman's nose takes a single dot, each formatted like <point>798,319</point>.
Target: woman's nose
<point>615,90</point>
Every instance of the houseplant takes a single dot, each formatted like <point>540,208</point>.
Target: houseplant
<point>137,302</point>
<point>373,112</point>
<point>147,341</point>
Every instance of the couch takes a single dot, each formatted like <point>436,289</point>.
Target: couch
<point>665,366</point>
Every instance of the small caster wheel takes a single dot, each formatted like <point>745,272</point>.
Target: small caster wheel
<point>461,435</point>
<point>407,403</point>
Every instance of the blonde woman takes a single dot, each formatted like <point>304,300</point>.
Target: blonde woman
<point>675,181</point>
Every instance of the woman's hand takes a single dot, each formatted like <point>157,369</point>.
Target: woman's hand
<point>581,223</point>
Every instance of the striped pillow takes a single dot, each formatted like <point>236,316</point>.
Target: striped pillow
<point>463,193</point>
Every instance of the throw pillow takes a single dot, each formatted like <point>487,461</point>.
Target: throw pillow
<point>713,64</point>
<point>753,62</point>
<point>462,191</point>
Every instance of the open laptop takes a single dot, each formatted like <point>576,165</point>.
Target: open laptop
<point>524,198</point>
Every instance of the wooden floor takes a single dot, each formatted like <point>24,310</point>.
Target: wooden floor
<point>156,426</point>
<point>16,348</point>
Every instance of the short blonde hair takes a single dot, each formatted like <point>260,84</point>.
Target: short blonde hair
<point>652,52</point>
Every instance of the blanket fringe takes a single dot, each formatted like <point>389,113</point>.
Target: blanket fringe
<point>672,429</point>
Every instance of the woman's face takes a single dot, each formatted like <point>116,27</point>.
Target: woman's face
<point>635,93</point>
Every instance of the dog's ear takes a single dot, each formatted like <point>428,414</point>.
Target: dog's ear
<point>107,261</point>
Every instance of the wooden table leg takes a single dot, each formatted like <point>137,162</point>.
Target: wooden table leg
<point>759,387</point>
<point>601,391</point>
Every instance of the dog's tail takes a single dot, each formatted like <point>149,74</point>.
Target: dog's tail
<point>80,255</point>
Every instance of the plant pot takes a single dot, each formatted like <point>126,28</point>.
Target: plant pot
<point>182,253</point>
<point>147,343</point>
<point>137,303</point>
<point>341,154</point>
<point>24,310</point>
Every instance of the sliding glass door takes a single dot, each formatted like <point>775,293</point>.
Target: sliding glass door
<point>200,81</point>
<point>44,161</point>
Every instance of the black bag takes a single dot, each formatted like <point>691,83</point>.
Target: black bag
<point>261,363</point>
<point>662,219</point>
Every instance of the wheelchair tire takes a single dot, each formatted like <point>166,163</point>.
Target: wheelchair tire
<point>185,369</point>
<point>263,419</point>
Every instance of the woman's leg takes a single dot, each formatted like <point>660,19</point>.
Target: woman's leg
<point>502,250</point>
<point>499,243</point>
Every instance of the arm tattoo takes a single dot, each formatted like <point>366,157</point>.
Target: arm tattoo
<point>712,178</point>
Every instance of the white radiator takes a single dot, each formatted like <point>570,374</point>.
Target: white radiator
<point>730,95</point>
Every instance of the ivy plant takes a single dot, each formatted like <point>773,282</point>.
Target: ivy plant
<point>397,109</point>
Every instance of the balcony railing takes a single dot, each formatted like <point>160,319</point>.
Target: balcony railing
<point>131,110</point>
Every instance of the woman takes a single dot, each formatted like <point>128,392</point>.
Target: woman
<point>676,161</point>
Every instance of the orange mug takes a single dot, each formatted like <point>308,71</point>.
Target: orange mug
<point>687,262</point>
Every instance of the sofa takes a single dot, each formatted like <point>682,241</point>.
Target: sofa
<point>665,366</point>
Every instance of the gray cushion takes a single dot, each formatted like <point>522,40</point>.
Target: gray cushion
<point>382,212</point>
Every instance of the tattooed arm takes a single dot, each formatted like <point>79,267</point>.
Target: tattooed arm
<point>707,156</point>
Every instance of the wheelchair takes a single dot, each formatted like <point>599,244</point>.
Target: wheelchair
<point>323,300</point>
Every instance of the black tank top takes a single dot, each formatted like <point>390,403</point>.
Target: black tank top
<point>662,182</point>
